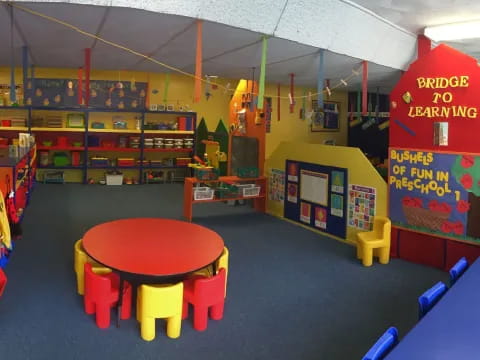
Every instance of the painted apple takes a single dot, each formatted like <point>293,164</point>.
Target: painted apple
<point>463,206</point>
<point>467,161</point>
<point>467,181</point>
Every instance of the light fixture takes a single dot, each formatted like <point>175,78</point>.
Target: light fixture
<point>456,31</point>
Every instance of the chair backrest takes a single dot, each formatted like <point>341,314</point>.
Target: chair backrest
<point>161,300</point>
<point>383,345</point>
<point>80,257</point>
<point>3,281</point>
<point>223,260</point>
<point>430,297</point>
<point>382,227</point>
<point>96,285</point>
<point>211,289</point>
<point>457,270</point>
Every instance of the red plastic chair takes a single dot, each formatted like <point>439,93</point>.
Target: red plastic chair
<point>3,281</point>
<point>101,294</point>
<point>204,293</point>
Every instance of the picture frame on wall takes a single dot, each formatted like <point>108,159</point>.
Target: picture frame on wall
<point>326,119</point>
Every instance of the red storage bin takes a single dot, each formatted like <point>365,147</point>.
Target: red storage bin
<point>3,141</point>
<point>62,141</point>
<point>75,158</point>
<point>108,144</point>
<point>6,123</point>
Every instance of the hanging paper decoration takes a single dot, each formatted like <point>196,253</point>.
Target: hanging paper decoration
<point>88,54</point>
<point>46,102</point>
<point>38,92</point>
<point>384,125</point>
<point>142,93</point>
<point>227,88</point>
<point>321,79</point>
<point>134,104</point>
<point>25,70</point>
<point>291,95</point>
<point>121,105</point>
<point>261,81</point>
<point>80,87</point>
<point>364,86</point>
<point>165,89</point>
<point>278,102</point>
<point>57,98</point>
<point>133,86</point>
<point>93,93</point>
<point>327,88</point>
<point>304,104</point>
<point>108,102</point>
<point>121,93</point>
<point>70,91</point>
<point>198,64</point>
<point>13,96</point>
<point>207,87</point>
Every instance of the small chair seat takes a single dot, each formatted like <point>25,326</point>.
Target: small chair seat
<point>383,346</point>
<point>160,301</point>
<point>102,292</point>
<point>204,293</point>
<point>375,242</point>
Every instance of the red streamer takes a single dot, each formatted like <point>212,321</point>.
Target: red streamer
<point>88,53</point>
<point>365,88</point>
<point>80,86</point>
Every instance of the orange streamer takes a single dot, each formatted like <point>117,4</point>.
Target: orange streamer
<point>198,64</point>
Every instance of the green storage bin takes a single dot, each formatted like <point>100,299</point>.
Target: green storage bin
<point>209,173</point>
<point>247,172</point>
<point>60,159</point>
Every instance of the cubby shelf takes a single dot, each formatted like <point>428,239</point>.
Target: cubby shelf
<point>13,128</point>
<point>61,148</point>
<point>52,167</point>
<point>119,131</point>
<point>169,132</point>
<point>57,129</point>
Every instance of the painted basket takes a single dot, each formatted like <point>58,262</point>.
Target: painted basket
<point>425,218</point>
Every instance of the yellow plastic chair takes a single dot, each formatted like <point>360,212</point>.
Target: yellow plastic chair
<point>222,262</point>
<point>160,301</point>
<point>375,242</point>
<point>80,258</point>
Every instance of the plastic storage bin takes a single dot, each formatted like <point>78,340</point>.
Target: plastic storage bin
<point>203,193</point>
<point>114,179</point>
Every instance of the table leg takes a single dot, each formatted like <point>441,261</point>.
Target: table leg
<point>120,300</point>
<point>214,268</point>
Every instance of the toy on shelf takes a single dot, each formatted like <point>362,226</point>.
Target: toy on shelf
<point>213,156</point>
<point>54,177</point>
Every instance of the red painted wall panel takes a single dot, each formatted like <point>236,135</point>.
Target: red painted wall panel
<point>421,249</point>
<point>455,250</point>
<point>394,242</point>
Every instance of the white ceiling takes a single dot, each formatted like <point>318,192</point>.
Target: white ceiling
<point>227,51</point>
<point>415,15</point>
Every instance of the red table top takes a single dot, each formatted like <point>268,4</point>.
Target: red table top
<point>152,246</point>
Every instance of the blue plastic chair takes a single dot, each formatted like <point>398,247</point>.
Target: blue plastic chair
<point>430,297</point>
<point>383,345</point>
<point>457,270</point>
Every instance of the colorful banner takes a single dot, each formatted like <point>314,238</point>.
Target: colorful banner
<point>434,192</point>
<point>361,206</point>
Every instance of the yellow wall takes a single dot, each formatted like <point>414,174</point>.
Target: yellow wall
<point>360,171</point>
<point>292,128</point>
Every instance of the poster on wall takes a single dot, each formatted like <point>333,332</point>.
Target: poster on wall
<point>314,187</point>
<point>316,196</point>
<point>276,185</point>
<point>436,193</point>
<point>361,206</point>
<point>292,193</point>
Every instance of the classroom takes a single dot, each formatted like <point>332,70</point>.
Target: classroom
<point>239,180</point>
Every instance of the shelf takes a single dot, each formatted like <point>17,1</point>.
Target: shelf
<point>164,167</point>
<point>64,148</point>
<point>170,132</point>
<point>52,167</point>
<point>119,131</point>
<point>227,199</point>
<point>13,128</point>
<point>115,149</point>
<point>113,167</point>
<point>58,129</point>
<point>169,150</point>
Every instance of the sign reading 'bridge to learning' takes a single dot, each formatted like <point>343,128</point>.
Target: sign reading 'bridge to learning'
<point>433,191</point>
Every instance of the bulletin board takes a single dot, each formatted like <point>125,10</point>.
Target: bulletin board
<point>436,193</point>
<point>316,196</point>
<point>103,94</point>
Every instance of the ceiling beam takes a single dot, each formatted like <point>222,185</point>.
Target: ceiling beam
<point>162,46</point>
<point>100,26</point>
<point>20,33</point>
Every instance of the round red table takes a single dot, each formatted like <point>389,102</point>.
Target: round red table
<point>152,248</point>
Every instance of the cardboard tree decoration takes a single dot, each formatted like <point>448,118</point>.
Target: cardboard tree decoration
<point>202,134</point>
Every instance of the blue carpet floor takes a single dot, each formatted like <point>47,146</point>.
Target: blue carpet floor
<point>292,294</point>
